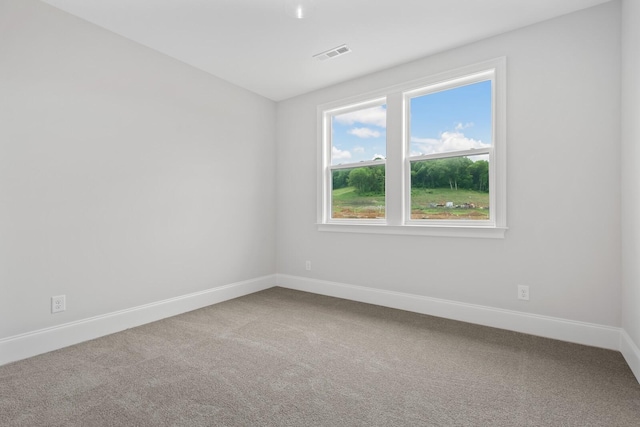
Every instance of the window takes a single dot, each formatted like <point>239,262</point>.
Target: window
<point>425,157</point>
<point>450,139</point>
<point>356,136</point>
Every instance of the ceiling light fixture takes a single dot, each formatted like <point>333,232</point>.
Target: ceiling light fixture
<point>298,9</point>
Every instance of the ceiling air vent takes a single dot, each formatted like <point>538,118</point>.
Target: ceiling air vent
<point>332,53</point>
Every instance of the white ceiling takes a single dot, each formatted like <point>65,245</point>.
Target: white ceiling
<point>256,45</point>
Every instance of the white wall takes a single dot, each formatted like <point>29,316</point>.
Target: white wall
<point>563,183</point>
<point>631,175</point>
<point>126,177</point>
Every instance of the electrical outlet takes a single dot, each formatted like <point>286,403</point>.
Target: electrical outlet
<point>308,265</point>
<point>58,304</point>
<point>523,292</point>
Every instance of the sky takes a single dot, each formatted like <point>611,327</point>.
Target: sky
<point>450,120</point>
<point>359,135</point>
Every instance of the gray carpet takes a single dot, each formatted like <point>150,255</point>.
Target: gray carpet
<point>287,358</point>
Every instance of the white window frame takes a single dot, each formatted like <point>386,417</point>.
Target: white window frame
<point>397,166</point>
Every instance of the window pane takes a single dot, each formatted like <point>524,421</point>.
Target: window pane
<point>359,135</point>
<point>450,189</point>
<point>358,192</point>
<point>451,120</point>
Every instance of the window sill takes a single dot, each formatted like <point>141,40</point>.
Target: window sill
<point>418,230</point>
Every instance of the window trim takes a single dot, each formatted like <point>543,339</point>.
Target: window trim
<point>397,164</point>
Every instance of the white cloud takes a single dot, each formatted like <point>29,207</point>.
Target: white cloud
<point>448,141</point>
<point>461,126</point>
<point>337,154</point>
<point>358,149</point>
<point>376,116</point>
<point>364,132</point>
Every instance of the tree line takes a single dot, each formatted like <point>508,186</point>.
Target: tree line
<point>454,173</point>
<point>367,180</point>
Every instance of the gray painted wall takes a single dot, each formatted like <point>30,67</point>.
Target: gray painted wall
<point>563,182</point>
<point>126,177</point>
<point>630,169</point>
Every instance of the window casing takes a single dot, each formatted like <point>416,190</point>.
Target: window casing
<point>412,212</point>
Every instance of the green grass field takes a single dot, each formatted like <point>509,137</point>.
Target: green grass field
<point>425,204</point>
<point>348,204</point>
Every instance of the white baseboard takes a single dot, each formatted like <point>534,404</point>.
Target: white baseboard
<point>44,340</point>
<point>631,353</point>
<point>550,327</point>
